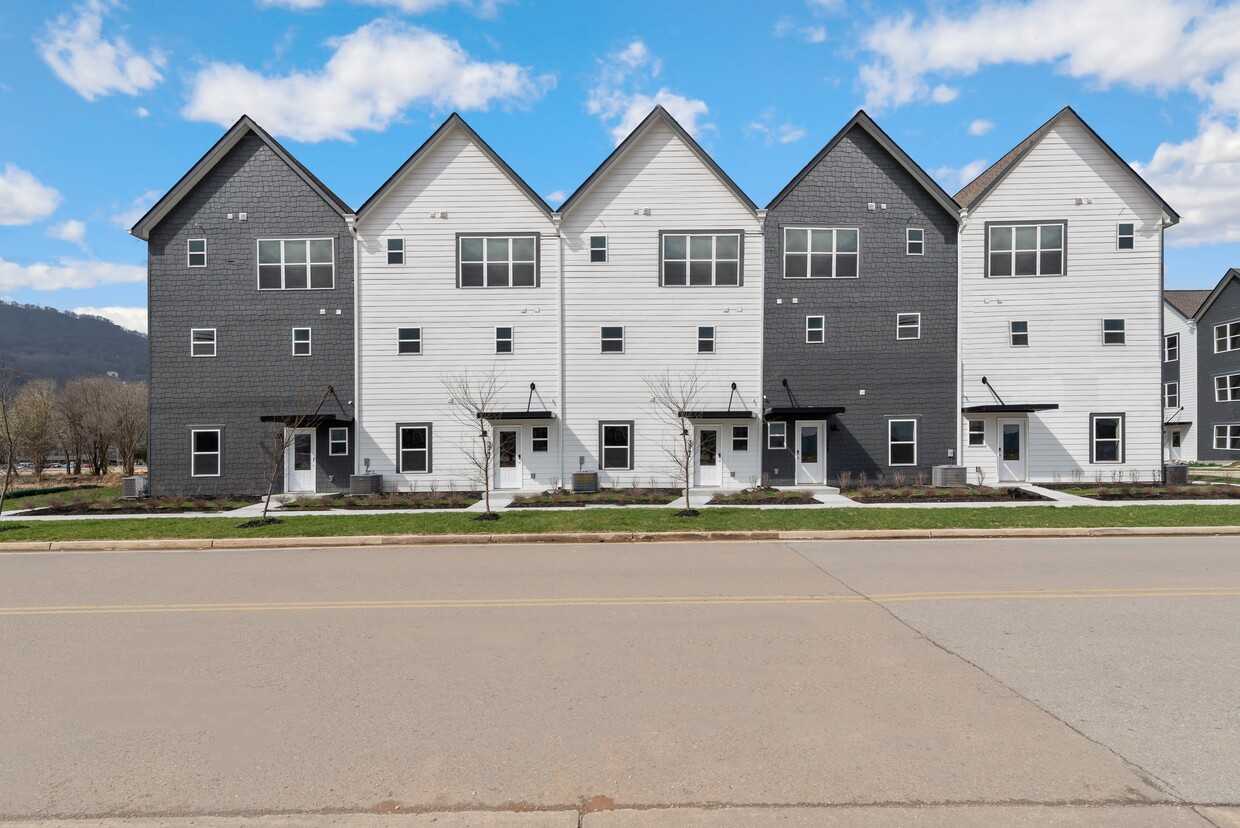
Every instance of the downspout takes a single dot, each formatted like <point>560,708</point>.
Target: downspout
<point>559,236</point>
<point>1162,333</point>
<point>351,222</point>
<point>760,437</point>
<point>964,216</point>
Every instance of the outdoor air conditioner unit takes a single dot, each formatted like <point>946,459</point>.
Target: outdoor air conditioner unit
<point>948,476</point>
<point>133,487</point>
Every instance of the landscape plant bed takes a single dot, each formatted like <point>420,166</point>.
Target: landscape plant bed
<point>763,497</point>
<point>1148,491</point>
<point>948,494</point>
<point>390,500</point>
<point>141,506</point>
<point>604,497</point>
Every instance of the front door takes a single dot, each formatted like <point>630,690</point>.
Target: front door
<point>508,458</point>
<point>299,462</point>
<point>1175,449</point>
<point>709,466</point>
<point>811,454</point>
<point>1012,447</point>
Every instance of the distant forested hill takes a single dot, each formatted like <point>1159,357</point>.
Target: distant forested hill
<point>45,343</point>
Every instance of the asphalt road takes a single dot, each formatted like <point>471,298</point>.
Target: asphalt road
<point>949,682</point>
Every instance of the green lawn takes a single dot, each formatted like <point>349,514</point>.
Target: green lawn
<point>73,496</point>
<point>632,520</point>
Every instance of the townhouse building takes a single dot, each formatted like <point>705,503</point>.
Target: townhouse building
<point>1179,374</point>
<point>458,324</point>
<point>1218,371</point>
<point>859,354</point>
<point>663,279</point>
<point>250,307</point>
<point>1061,249</point>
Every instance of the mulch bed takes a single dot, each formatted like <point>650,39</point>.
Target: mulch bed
<point>144,506</point>
<point>930,494</point>
<point>392,500</point>
<point>1148,491</point>
<point>762,497</point>
<point>606,497</point>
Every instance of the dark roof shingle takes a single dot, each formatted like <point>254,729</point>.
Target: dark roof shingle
<point>1186,302</point>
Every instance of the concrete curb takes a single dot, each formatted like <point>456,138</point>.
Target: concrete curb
<point>614,537</point>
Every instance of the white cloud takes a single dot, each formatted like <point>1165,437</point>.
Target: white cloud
<point>483,8</point>
<point>942,94</point>
<point>1200,178</point>
<point>785,26</point>
<point>619,100</point>
<point>142,112</point>
<point>825,5</point>
<point>23,198</point>
<point>76,50</point>
<point>132,318</point>
<point>815,34</point>
<point>785,133</point>
<point>295,5</point>
<point>953,179</point>
<point>137,208</point>
<point>375,74</point>
<point>72,231</point>
<point>556,196</point>
<point>67,273</point>
<point>981,127</point>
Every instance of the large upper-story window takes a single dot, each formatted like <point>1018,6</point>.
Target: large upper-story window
<point>1227,337</point>
<point>498,261</point>
<point>296,264</point>
<point>701,259</point>
<point>820,253</point>
<point>1025,250</point>
<point>1227,388</point>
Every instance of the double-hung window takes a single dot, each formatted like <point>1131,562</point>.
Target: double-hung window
<point>776,435</point>
<point>196,252</point>
<point>498,261</point>
<point>706,339</point>
<point>598,249</point>
<point>1106,438</point>
<point>540,438</point>
<point>414,448</point>
<point>1125,236</point>
<point>1227,388</point>
<point>701,259</point>
<point>902,442</point>
<point>1171,395</point>
<point>503,340</point>
<point>301,342</point>
<point>408,340</point>
<point>205,450</point>
<point>815,330</point>
<point>396,251</point>
<point>820,253</point>
<point>202,342</point>
<point>1227,337</point>
<point>1018,333</point>
<point>337,441</point>
<point>1026,250</point>
<point>1171,348</point>
<point>977,432</point>
<point>1114,331</point>
<point>296,264</point>
<point>616,445</point>
<point>612,339</point>
<point>740,438</point>
<point>914,241</point>
<point>1227,437</point>
<point>908,326</point>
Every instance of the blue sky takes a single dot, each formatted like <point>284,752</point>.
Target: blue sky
<point>106,104</point>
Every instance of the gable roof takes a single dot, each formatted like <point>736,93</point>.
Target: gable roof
<point>976,190</point>
<point>1186,301</point>
<point>657,115</point>
<point>454,121</point>
<point>244,126</point>
<point>863,121</point>
<point>1213,295</point>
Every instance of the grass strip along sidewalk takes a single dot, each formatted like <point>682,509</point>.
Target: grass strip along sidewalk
<point>637,520</point>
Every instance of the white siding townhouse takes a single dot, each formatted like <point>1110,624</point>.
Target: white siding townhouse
<point>458,271</point>
<point>663,258</point>
<point>1061,312</point>
<point>1180,420</point>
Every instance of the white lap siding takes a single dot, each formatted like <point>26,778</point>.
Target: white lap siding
<point>1175,323</point>
<point>1066,362</point>
<point>662,174</point>
<point>468,194</point>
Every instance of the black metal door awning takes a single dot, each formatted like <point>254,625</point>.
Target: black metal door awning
<point>306,420</point>
<point>803,412</point>
<point>733,414</point>
<point>516,415</point>
<point>1178,423</point>
<point>1028,408</point>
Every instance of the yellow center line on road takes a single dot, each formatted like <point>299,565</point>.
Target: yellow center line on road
<point>694,600</point>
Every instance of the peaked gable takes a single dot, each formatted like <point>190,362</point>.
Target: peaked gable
<point>454,121</point>
<point>975,192</point>
<point>1231,275</point>
<point>864,122</point>
<point>656,116</point>
<point>244,126</point>
<point>1186,302</point>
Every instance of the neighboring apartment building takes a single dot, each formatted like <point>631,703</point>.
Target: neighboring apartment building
<point>1061,252</point>
<point>250,304</point>
<point>1218,371</point>
<point>662,279</point>
<point>859,356</point>
<point>458,276</point>
<point>1179,368</point>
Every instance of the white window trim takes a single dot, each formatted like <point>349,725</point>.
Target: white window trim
<point>1119,236</point>
<point>1218,391</point>
<point>283,264</point>
<point>899,327</point>
<point>970,433</point>
<point>218,454</point>
<point>590,248</point>
<point>332,442</point>
<point>1226,325</point>
<point>388,251</point>
<point>486,261</point>
<point>1227,438</point>
<point>783,253</point>
<point>188,253</point>
<point>1013,333</point>
<point>214,343</point>
<point>309,343</point>
<point>1093,439</point>
<point>1167,386</point>
<point>822,331</point>
<point>1166,340</point>
<point>713,339</point>
<point>400,452</point>
<point>417,339</point>
<point>891,442</point>
<point>602,339</point>
<point>1063,249</point>
<point>783,435</point>
<point>908,242</point>
<point>603,445</point>
<point>1123,332</point>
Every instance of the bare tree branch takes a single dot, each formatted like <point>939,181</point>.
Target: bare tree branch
<point>469,397</point>
<point>673,397</point>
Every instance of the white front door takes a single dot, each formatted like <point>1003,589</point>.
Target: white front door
<point>1012,447</point>
<point>709,463</point>
<point>1175,449</point>
<point>508,458</point>
<point>299,459</point>
<point>811,453</point>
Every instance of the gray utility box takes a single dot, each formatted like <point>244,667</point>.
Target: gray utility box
<point>133,487</point>
<point>1175,474</point>
<point>364,484</point>
<point>585,481</point>
<point>952,476</point>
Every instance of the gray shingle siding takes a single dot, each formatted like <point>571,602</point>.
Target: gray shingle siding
<point>908,379</point>
<point>1226,308</point>
<point>254,373</point>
